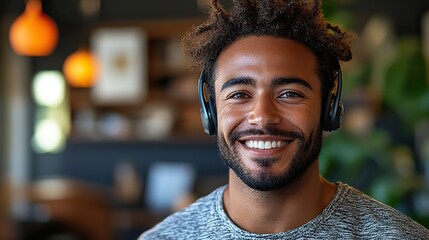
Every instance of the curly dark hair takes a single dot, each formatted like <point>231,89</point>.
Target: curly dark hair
<point>299,20</point>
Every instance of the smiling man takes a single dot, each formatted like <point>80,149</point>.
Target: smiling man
<point>270,86</point>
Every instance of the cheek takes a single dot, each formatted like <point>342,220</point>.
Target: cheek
<point>308,118</point>
<point>229,119</point>
<point>311,115</point>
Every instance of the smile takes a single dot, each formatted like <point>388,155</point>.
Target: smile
<point>264,144</point>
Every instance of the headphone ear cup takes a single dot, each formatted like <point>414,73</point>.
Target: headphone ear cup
<point>326,122</point>
<point>205,121</point>
<point>212,117</point>
<point>333,114</point>
<point>339,116</point>
<point>207,111</point>
<point>334,110</point>
<point>336,116</point>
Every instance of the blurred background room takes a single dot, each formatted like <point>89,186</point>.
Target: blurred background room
<point>100,132</point>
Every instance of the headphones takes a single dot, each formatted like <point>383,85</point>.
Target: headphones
<point>207,111</point>
<point>331,118</point>
<point>334,109</point>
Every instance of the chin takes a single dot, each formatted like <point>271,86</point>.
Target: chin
<point>265,180</point>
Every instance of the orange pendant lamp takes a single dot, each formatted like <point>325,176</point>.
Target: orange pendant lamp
<point>33,33</point>
<point>81,69</point>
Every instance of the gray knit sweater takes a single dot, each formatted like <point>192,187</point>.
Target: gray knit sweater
<point>350,215</point>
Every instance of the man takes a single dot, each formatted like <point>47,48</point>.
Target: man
<point>274,82</point>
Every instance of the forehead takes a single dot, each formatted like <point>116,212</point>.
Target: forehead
<point>267,55</point>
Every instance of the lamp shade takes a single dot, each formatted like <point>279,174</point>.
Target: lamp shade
<point>33,33</point>
<point>81,69</point>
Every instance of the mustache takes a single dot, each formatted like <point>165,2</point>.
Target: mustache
<point>271,131</point>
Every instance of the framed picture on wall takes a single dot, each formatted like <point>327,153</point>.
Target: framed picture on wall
<point>122,56</point>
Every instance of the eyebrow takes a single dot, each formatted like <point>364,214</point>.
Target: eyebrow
<point>293,80</point>
<point>279,81</point>
<point>238,81</point>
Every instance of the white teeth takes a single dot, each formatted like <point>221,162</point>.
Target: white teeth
<point>267,145</point>
<point>264,144</point>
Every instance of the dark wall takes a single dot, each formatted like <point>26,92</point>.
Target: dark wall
<point>95,161</point>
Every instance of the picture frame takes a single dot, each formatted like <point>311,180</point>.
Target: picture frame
<point>122,57</point>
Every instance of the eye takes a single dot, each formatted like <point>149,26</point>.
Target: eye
<point>291,94</point>
<point>238,95</point>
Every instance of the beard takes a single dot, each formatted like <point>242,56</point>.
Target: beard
<point>306,153</point>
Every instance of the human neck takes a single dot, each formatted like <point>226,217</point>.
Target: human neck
<point>279,210</point>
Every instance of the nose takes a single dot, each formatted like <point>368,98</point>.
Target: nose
<point>264,112</point>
